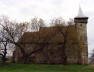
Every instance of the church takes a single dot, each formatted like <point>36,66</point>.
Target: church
<point>51,52</point>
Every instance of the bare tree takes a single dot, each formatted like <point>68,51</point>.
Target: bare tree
<point>14,31</point>
<point>38,41</point>
<point>36,23</point>
<point>10,33</point>
<point>4,51</point>
<point>64,30</point>
<point>69,36</point>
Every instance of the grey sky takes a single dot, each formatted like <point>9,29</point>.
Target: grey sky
<point>24,10</point>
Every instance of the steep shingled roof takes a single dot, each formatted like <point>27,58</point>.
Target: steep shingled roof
<point>45,35</point>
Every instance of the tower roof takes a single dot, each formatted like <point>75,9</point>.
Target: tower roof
<point>80,14</point>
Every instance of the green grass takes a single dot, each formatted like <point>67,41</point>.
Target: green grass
<point>45,68</point>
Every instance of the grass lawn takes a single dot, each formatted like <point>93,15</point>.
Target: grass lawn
<point>45,68</point>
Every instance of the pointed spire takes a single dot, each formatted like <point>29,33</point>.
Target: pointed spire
<point>80,13</point>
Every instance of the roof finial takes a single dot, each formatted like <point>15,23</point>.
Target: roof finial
<point>79,5</point>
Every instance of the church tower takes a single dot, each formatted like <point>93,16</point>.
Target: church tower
<point>81,25</point>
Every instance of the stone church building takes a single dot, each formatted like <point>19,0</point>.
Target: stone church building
<point>51,54</point>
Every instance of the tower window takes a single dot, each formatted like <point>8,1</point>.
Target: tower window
<point>81,25</point>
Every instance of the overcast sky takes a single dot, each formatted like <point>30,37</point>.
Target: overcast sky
<point>24,10</point>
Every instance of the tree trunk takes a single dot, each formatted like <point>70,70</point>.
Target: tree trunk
<point>25,58</point>
<point>4,55</point>
<point>64,59</point>
<point>64,56</point>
